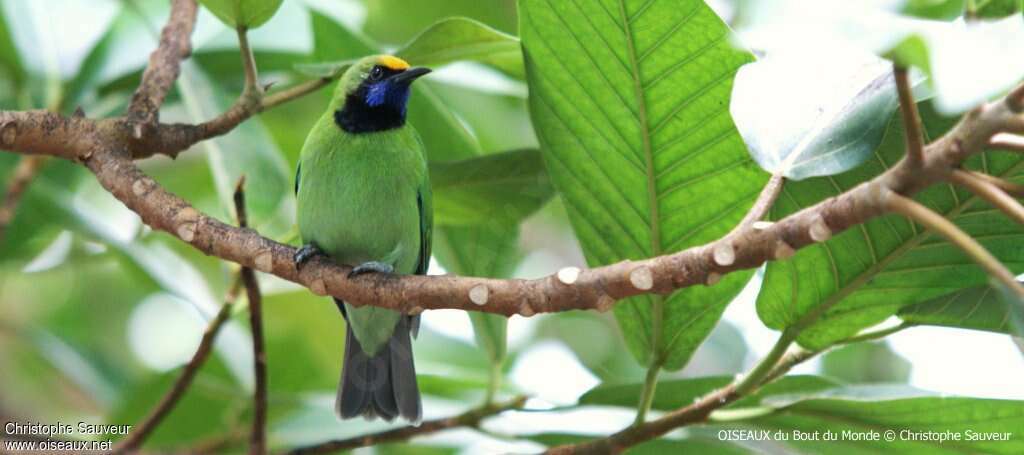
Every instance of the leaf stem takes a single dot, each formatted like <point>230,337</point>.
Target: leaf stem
<point>647,395</point>
<point>911,118</point>
<point>767,365</point>
<point>1011,188</point>
<point>936,223</point>
<point>876,334</point>
<point>252,87</point>
<point>989,192</point>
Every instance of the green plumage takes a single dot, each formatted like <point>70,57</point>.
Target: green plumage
<point>365,196</point>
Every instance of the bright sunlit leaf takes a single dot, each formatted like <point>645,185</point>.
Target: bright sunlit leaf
<point>805,116</point>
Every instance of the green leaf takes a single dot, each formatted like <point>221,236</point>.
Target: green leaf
<point>867,273</point>
<point>977,308</point>
<point>490,250</point>
<point>210,406</point>
<point>247,151</point>
<point>91,70</point>
<point>994,9</point>
<point>243,13</point>
<point>461,39</point>
<point>499,188</point>
<point>934,9</point>
<point>674,394</point>
<point>969,418</point>
<point>10,60</point>
<point>656,446</point>
<point>811,117</point>
<point>630,102</point>
<point>865,363</point>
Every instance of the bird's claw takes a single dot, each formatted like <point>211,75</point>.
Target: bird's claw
<point>307,252</point>
<point>371,267</point>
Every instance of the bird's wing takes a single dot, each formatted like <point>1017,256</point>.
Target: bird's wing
<point>424,200</point>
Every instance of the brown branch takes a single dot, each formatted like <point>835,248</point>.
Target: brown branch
<point>937,224</point>
<point>911,118</point>
<point>988,191</point>
<point>700,410</point>
<point>470,419</point>
<point>258,442</point>
<point>19,181</point>
<point>596,288</point>
<point>164,67</point>
<point>142,430</point>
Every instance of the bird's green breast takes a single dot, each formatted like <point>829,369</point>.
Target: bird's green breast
<point>357,195</point>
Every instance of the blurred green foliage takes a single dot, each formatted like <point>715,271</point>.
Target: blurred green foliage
<point>97,311</point>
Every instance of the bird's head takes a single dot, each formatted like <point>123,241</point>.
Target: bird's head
<point>373,94</point>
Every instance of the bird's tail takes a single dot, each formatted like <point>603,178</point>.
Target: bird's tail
<point>383,385</point>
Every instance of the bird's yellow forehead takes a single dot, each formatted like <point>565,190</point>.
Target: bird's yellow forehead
<point>394,63</point>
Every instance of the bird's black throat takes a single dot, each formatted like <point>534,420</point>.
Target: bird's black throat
<point>357,116</point>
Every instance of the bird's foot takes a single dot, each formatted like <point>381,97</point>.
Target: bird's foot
<point>371,267</point>
<point>307,252</point>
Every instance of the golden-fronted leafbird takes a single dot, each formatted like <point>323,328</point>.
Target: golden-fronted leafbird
<point>364,199</point>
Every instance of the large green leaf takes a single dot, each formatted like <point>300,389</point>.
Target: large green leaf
<point>459,38</point>
<point>865,363</point>
<point>655,446</point>
<point>498,188</point>
<point>978,308</point>
<point>491,250</point>
<point>243,13</point>
<point>867,273</point>
<point>630,102</point>
<point>805,117</point>
<point>677,393</point>
<point>969,419</point>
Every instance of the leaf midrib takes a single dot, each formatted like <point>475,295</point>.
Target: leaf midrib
<point>658,310</point>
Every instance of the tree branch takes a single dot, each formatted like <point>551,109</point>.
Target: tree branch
<point>470,419</point>
<point>143,429</point>
<point>596,288</point>
<point>258,439</point>
<point>164,67</point>
<point>911,118</point>
<point>776,364</point>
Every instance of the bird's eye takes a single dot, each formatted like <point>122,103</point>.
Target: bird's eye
<point>376,73</point>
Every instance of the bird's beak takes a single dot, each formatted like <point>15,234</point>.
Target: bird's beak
<point>409,75</point>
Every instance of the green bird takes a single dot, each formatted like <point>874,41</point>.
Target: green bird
<point>364,198</point>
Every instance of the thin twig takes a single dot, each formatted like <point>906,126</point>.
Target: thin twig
<point>252,86</point>
<point>164,67</point>
<point>20,179</point>
<point>1011,188</point>
<point>911,118</point>
<point>470,419</point>
<point>936,223</point>
<point>258,439</point>
<point>142,430</point>
<point>765,201</point>
<point>989,192</point>
<point>773,366</point>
